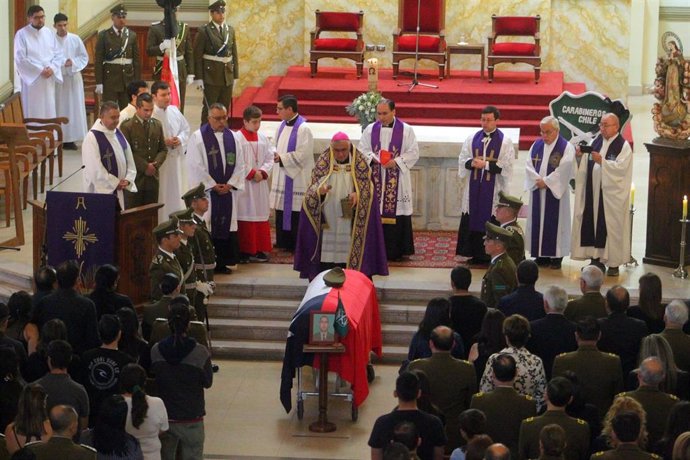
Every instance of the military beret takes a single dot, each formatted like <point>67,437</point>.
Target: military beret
<point>335,277</point>
<point>194,194</point>
<point>184,216</point>
<point>119,10</point>
<point>494,232</point>
<point>217,6</point>
<point>168,227</point>
<point>509,201</point>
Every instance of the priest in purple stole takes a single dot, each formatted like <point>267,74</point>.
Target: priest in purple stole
<point>340,224</point>
<point>214,158</point>
<point>485,167</point>
<point>601,226</point>
<point>548,170</point>
<point>108,163</point>
<point>294,160</point>
<point>390,147</point>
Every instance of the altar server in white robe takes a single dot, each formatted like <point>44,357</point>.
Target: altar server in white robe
<point>601,226</point>
<point>548,170</point>
<point>292,174</point>
<point>69,97</point>
<point>38,60</point>
<point>172,173</point>
<point>103,143</point>
<point>134,89</point>
<point>215,159</point>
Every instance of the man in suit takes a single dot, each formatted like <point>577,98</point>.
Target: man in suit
<point>500,278</point>
<point>466,311</point>
<point>675,316</point>
<point>525,300</point>
<point>117,59</point>
<point>592,302</point>
<point>167,235</point>
<point>215,59</point>
<point>552,334</point>
<point>506,214</point>
<point>599,374</point>
<point>452,381</point>
<point>324,332</point>
<point>621,334</point>
<point>503,426</point>
<point>65,424</point>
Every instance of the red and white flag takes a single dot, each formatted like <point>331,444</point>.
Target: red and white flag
<point>169,72</point>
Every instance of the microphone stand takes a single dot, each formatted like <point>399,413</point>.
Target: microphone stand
<point>415,82</point>
<point>44,240</point>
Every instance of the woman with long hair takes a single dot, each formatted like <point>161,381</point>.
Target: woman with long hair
<point>108,436</point>
<point>20,308</point>
<point>649,308</point>
<point>490,340</point>
<point>130,340</point>
<point>146,415</point>
<point>104,295</point>
<point>621,404</point>
<point>31,423</point>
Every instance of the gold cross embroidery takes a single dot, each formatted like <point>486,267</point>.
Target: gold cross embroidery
<point>489,158</point>
<point>535,160</point>
<point>80,236</point>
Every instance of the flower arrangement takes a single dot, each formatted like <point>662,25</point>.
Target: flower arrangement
<point>363,107</point>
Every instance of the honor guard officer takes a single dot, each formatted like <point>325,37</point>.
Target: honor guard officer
<point>507,210</point>
<point>202,248</point>
<point>215,60</point>
<point>185,252</point>
<point>164,261</point>
<point>117,59</point>
<point>501,276</point>
<point>157,45</point>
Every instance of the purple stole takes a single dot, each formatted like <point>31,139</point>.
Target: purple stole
<point>106,150</point>
<point>389,190</point>
<point>287,193</point>
<point>221,205</point>
<point>482,183</point>
<point>551,203</point>
<point>589,234</point>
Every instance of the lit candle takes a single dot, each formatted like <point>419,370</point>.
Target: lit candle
<point>632,194</point>
<point>685,207</point>
<point>373,74</point>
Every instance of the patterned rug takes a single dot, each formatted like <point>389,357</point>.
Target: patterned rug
<point>432,250</point>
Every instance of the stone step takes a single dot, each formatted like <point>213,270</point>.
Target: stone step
<point>12,279</point>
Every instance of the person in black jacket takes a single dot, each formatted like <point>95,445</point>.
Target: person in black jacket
<point>105,298</point>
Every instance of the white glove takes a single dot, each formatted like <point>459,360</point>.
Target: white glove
<point>190,79</point>
<point>99,89</point>
<point>166,45</point>
<point>204,288</point>
<point>199,84</point>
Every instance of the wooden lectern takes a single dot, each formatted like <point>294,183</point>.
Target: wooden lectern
<point>13,134</point>
<point>134,246</point>
<point>669,180</point>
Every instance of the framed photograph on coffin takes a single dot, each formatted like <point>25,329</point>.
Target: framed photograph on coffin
<point>321,331</point>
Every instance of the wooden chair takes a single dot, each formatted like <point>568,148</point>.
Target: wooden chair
<point>513,52</point>
<point>6,190</point>
<point>432,38</point>
<point>346,48</point>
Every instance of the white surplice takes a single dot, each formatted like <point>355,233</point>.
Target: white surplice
<point>252,202</point>
<point>405,161</point>
<point>173,173</point>
<point>97,179</point>
<point>558,182</point>
<point>613,179</point>
<point>337,233</point>
<point>296,165</point>
<point>69,97</point>
<point>127,113</point>
<point>34,50</point>
<point>197,172</point>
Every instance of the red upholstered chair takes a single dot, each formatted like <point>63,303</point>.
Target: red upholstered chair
<point>432,40</point>
<point>347,48</point>
<point>513,52</point>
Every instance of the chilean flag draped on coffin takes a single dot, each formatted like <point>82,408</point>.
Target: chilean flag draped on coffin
<point>358,296</point>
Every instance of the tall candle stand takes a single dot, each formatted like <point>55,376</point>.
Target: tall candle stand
<point>632,260</point>
<point>681,272</point>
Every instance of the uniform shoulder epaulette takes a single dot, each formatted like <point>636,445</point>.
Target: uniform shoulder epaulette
<point>655,455</point>
<point>622,393</point>
<point>528,420</point>
<point>612,354</point>
<point>580,421</point>
<point>673,396</point>
<point>91,449</point>
<point>562,354</point>
<point>158,259</point>
<point>528,397</point>
<point>466,362</point>
<point>479,394</point>
<point>599,454</point>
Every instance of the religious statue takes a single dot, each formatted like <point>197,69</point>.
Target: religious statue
<point>672,88</point>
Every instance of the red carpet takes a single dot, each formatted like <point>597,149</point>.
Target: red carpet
<point>432,250</point>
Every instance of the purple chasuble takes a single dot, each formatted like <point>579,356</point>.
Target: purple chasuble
<point>482,183</point>
<point>551,203</point>
<point>106,150</point>
<point>221,205</point>
<point>387,191</point>
<point>287,193</point>
<point>591,235</point>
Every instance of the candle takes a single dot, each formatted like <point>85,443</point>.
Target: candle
<point>685,207</point>
<point>632,194</point>
<point>373,74</point>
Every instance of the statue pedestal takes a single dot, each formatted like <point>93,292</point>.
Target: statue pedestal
<point>669,180</point>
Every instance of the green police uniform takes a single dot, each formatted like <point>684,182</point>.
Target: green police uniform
<point>215,61</point>
<point>576,434</point>
<point>625,452</point>
<point>185,254</point>
<point>185,61</point>
<point>657,405</point>
<point>599,374</point>
<point>590,304</point>
<point>161,330</point>
<point>60,447</point>
<point>164,262</point>
<point>148,146</point>
<point>504,425</point>
<point>516,244</point>
<point>117,61</point>
<point>152,312</point>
